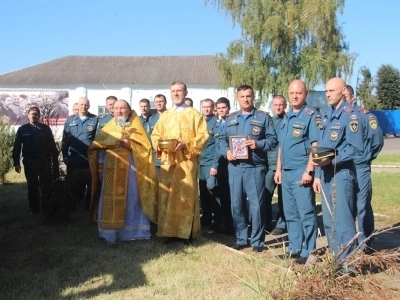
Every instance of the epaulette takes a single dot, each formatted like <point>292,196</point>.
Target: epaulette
<point>231,114</point>
<point>363,110</point>
<point>71,116</point>
<point>309,111</point>
<point>347,109</point>
<point>102,116</point>
<point>263,112</point>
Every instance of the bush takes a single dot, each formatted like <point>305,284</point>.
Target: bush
<point>7,136</point>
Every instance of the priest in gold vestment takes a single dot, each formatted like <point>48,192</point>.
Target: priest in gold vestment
<point>124,181</point>
<point>178,201</point>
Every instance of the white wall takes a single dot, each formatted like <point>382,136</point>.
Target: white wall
<point>98,93</point>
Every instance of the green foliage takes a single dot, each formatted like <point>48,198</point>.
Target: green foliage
<point>283,40</point>
<point>7,136</point>
<point>364,90</point>
<point>388,87</point>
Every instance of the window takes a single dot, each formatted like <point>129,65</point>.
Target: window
<point>102,110</point>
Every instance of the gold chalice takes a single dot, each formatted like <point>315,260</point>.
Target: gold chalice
<point>166,146</point>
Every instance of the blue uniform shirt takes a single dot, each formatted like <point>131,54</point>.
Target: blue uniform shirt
<point>207,156</point>
<point>219,159</point>
<point>149,123</point>
<point>273,154</point>
<point>373,137</point>
<point>257,126</point>
<point>296,133</point>
<point>103,121</point>
<point>78,135</point>
<point>341,129</point>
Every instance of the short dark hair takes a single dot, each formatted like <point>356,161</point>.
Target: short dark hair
<point>34,108</point>
<point>209,100</point>
<point>245,87</point>
<point>145,100</point>
<point>111,98</point>
<point>190,100</point>
<point>179,83</point>
<point>161,96</point>
<point>350,89</point>
<point>224,101</point>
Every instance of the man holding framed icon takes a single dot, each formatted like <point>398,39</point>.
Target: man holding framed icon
<point>247,136</point>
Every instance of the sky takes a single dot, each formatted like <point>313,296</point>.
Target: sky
<point>37,31</point>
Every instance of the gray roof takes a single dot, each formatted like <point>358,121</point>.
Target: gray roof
<point>118,70</point>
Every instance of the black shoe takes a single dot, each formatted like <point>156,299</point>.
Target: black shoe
<point>301,260</point>
<point>239,247</point>
<point>258,249</point>
<point>288,255</point>
<point>278,231</point>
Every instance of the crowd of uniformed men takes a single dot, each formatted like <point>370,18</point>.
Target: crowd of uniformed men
<point>300,151</point>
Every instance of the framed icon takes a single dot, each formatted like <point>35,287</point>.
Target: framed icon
<point>236,145</point>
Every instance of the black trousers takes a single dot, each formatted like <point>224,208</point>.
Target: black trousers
<point>38,176</point>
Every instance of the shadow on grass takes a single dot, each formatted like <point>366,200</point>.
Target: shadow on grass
<point>39,261</point>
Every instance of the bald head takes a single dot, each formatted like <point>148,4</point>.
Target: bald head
<point>297,94</point>
<point>83,105</point>
<point>334,90</point>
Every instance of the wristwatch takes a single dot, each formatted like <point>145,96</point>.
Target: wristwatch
<point>311,173</point>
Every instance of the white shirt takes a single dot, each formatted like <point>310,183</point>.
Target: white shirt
<point>181,107</point>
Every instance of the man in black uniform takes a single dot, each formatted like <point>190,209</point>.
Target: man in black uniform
<point>40,157</point>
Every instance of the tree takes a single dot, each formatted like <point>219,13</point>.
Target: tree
<point>364,90</point>
<point>7,136</point>
<point>388,87</point>
<point>283,40</point>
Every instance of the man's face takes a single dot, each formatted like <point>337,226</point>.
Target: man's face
<point>33,117</point>
<point>334,93</point>
<point>349,97</point>
<point>7,102</point>
<point>83,105</point>
<point>15,100</point>
<point>223,110</point>
<point>160,104</point>
<point>207,108</point>
<point>278,106</point>
<point>75,109</point>
<point>121,109</point>
<point>297,95</point>
<point>245,99</point>
<point>110,104</point>
<point>178,94</point>
<point>144,108</point>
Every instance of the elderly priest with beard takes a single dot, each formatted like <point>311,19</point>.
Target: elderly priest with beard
<point>124,181</point>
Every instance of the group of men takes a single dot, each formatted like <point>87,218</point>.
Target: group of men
<point>300,151</point>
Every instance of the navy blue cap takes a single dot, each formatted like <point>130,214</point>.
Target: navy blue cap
<point>320,154</point>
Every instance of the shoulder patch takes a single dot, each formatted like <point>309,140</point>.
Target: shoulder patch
<point>231,114</point>
<point>348,109</point>
<point>309,111</point>
<point>263,112</point>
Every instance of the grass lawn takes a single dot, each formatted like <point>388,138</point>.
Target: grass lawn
<point>68,261</point>
<point>387,159</point>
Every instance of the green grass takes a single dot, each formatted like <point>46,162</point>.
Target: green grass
<point>385,198</point>
<point>387,159</point>
<point>68,261</point>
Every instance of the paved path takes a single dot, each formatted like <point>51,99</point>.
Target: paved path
<point>391,146</point>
